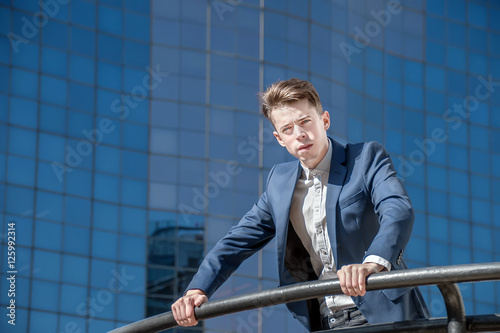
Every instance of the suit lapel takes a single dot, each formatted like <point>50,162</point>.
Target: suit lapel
<point>335,183</point>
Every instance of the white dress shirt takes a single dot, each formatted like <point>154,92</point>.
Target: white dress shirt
<point>308,217</point>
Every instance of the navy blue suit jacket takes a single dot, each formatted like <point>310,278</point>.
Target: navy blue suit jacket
<point>368,213</point>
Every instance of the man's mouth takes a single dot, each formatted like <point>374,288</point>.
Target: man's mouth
<point>305,147</point>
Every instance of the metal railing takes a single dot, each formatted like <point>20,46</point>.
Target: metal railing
<point>445,277</point>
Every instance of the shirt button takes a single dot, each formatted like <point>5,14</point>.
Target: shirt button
<point>317,191</point>
<point>319,231</point>
<point>323,251</point>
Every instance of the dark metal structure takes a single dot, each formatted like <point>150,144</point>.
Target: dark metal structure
<point>445,277</point>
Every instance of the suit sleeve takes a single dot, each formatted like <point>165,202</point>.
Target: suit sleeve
<point>250,235</point>
<point>391,204</point>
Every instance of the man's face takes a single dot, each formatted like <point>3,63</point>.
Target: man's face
<point>302,131</point>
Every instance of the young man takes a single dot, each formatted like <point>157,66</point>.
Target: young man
<point>335,212</point>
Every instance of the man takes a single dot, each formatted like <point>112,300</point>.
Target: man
<point>336,212</point>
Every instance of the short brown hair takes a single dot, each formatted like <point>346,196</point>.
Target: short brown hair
<point>282,93</point>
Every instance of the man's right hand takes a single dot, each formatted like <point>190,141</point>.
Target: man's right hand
<point>183,308</point>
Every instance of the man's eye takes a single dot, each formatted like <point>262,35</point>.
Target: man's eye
<point>306,121</point>
<point>286,129</point>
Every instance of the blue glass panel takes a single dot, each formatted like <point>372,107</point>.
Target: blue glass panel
<point>142,7</point>
<point>72,296</point>
<point>5,21</point>
<point>460,256</point>
<point>107,159</point>
<point>480,187</point>
<point>493,21</point>
<point>439,228</point>
<point>113,3</point>
<point>82,69</point>
<point>456,34</point>
<point>436,178</point>
<point>133,82</point>
<point>77,211</point>
<point>81,97</point>
<point>23,83</point>
<point>437,202</point>
<point>3,166</point>
<point>459,207</point>
<point>458,157</point>
<point>18,200</point>
<point>106,187</point>
<point>458,182</point>
<point>482,238</point>
<point>27,6</point>
<point>393,66</point>
<point>50,204</point>
<point>189,172</point>
<point>4,84</point>
<point>128,305</point>
<point>394,141</point>
<point>133,220</point>
<point>247,44</point>
<point>393,91</point>
<point>53,90</point>
<point>374,112</point>
<point>134,165</point>
<point>456,83</point>
<point>132,249</point>
<point>275,50</point>
<point>79,182</point>
<point>162,196</point>
<point>414,122</point>
<point>435,7</point>
<point>48,320</point>
<point>416,250</point>
<point>480,161</point>
<point>478,63</point>
<point>479,137</point>
<point>460,233</point>
<point>435,28</point>
<point>480,209</point>
<point>104,245</point>
<point>193,90</point>
<point>457,10</point>
<point>97,325</point>
<point>478,40</point>
<point>190,144</point>
<point>111,104</point>
<point>78,123</point>
<point>495,165</point>
<point>22,142</point>
<point>21,171</point>
<point>75,270</point>
<point>477,15</point>
<point>76,240</point>
<point>355,130</point>
<point>435,78</point>
<point>105,216</point>
<point>135,137</point>
<point>413,97</point>
<point>456,58</point>
<point>440,254</point>
<point>51,147</point>
<point>355,78</point>
<point>23,112</point>
<point>159,28</point>
<point>28,58</point>
<point>54,61</point>
<point>102,273</point>
<point>55,34</point>
<point>83,13</point>
<point>109,76</point>
<point>48,235</point>
<point>373,85</point>
<point>136,54</point>
<point>24,232</point>
<point>110,48</point>
<point>137,26</point>
<point>193,63</point>
<point>46,265</point>
<point>134,192</point>
<point>4,110</point>
<point>413,72</point>
<point>435,53</point>
<point>193,35</point>
<point>110,20</point>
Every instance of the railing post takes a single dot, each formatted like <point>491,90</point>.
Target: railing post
<point>454,307</point>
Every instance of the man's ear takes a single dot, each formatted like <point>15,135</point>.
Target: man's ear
<point>278,138</point>
<point>326,120</point>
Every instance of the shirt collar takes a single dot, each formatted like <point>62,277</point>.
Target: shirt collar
<point>322,167</point>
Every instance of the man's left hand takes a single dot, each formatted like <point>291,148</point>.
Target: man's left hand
<point>353,277</point>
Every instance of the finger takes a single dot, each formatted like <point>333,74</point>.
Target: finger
<point>354,282</point>
<point>200,300</point>
<point>362,283</point>
<point>342,279</point>
<point>348,281</point>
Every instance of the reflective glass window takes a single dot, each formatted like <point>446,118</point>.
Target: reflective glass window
<point>135,137</point>
<point>22,83</point>
<point>481,211</point>
<point>46,266</point>
<point>76,240</point>
<point>46,298</point>
<point>163,141</point>
<point>51,147</point>
<point>53,90</point>
<point>109,48</point>
<point>105,216</point>
<point>107,159</point>
<point>75,269</point>
<point>160,26</point>
<point>97,325</point>
<point>22,142</point>
<point>24,229</point>
<point>456,33</point>
<point>132,220</point>
<point>193,35</point>
<point>79,182</point>
<point>480,161</point>
<point>478,40</point>
<point>71,298</point>
<point>18,200</point>
<point>104,245</point>
<point>137,26</point>
<point>83,13</point>
<point>435,52</point>
<point>162,196</point>
<point>82,69</point>
<point>102,273</point>
<point>128,306</point>
<point>110,20</point>
<point>28,58</point>
<point>48,235</point>
<point>137,54</point>
<point>134,192</point>
<point>109,76</point>
<point>439,253</point>
<point>132,249</point>
<point>482,238</point>
<point>435,78</point>
<point>106,187</point>
<point>52,119</point>
<point>77,211</point>
<point>55,34</point>
<point>21,171</point>
<point>50,203</point>
<point>108,311</point>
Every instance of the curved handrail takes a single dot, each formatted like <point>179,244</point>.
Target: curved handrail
<point>312,289</point>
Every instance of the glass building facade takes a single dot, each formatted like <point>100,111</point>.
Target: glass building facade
<point>131,141</point>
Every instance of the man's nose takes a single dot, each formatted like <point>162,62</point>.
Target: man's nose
<point>299,132</point>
